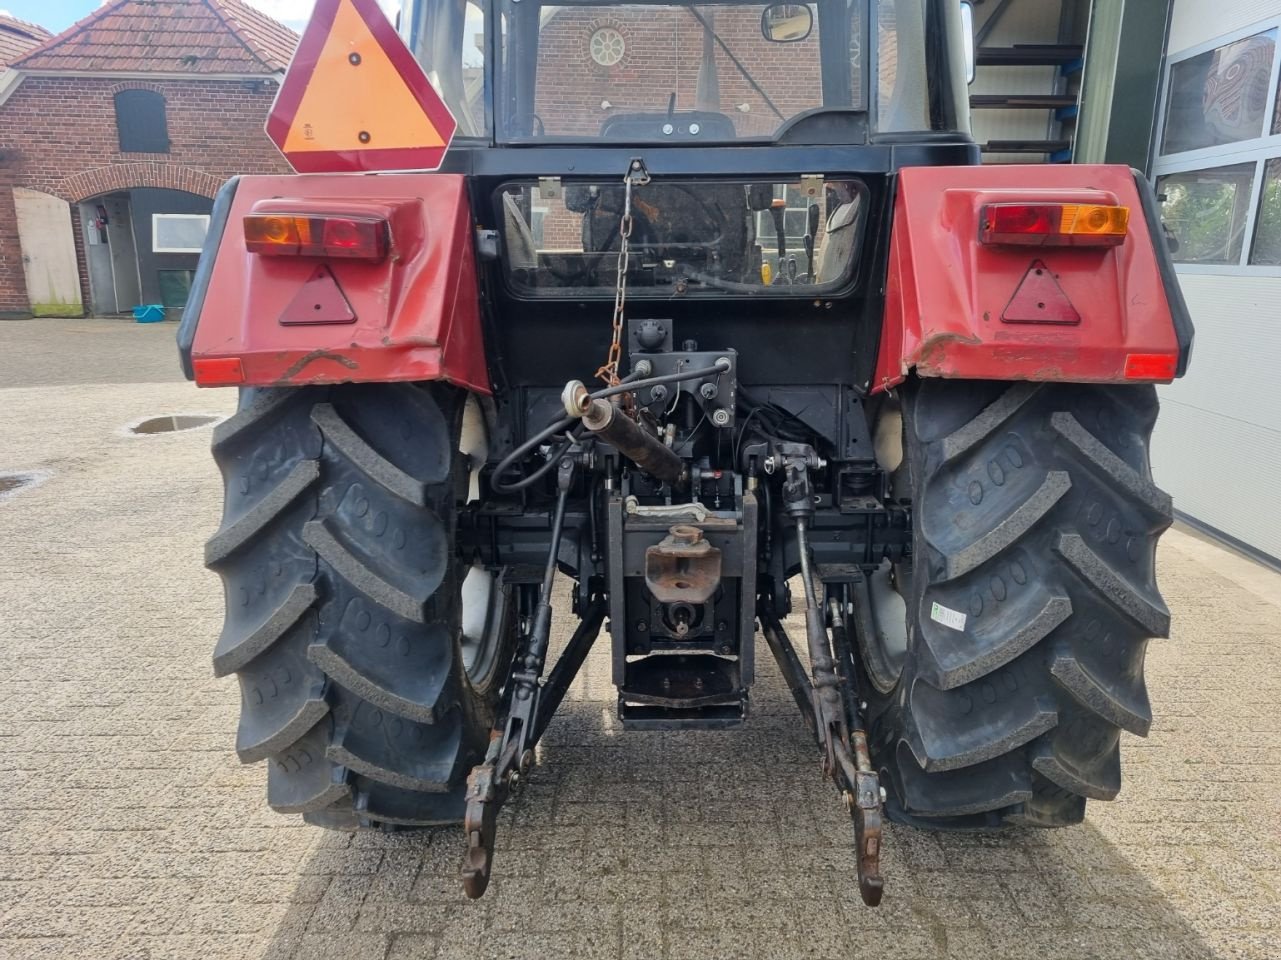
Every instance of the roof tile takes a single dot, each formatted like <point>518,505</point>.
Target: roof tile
<point>165,36</point>
<point>17,37</point>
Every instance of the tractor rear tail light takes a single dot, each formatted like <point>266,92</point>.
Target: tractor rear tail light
<point>290,235</point>
<point>1054,224</point>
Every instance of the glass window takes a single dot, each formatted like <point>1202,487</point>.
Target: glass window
<point>471,99</point>
<point>617,70</point>
<point>178,232</point>
<point>448,38</point>
<point>665,71</point>
<point>1220,96</point>
<point>689,238</point>
<point>1205,212</point>
<point>175,287</point>
<point>901,100</point>
<point>1266,250</point>
<point>915,39</point>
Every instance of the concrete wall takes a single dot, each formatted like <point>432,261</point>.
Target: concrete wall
<point>1217,446</point>
<point>1196,21</point>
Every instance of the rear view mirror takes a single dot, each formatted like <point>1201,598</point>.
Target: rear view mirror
<point>786,22</point>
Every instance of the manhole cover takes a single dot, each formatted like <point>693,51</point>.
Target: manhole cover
<point>13,483</point>
<point>173,423</point>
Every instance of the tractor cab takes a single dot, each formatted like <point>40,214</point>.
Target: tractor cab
<point>690,81</point>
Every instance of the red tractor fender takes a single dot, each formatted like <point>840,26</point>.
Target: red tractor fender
<point>257,320</point>
<point>957,307</point>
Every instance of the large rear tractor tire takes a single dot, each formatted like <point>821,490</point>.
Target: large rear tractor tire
<point>370,655</point>
<point>1028,604</point>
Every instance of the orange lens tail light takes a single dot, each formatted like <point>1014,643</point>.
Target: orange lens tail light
<point>289,235</point>
<point>1054,224</point>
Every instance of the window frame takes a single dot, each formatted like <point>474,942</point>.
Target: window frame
<point>1257,150</point>
<point>155,233</point>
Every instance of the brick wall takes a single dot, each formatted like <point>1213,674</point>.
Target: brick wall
<point>13,287</point>
<point>58,135</point>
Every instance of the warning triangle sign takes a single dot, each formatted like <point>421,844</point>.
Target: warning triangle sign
<point>1040,299</point>
<point>355,99</point>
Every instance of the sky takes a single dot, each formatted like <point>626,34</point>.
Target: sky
<point>57,15</point>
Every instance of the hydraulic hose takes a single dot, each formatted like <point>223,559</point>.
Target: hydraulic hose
<point>518,485</point>
<point>628,384</point>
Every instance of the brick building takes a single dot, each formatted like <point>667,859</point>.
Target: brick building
<point>114,137</point>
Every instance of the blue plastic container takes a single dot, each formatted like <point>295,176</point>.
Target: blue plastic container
<point>149,313</point>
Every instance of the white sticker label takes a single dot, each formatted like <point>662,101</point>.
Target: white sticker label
<point>947,616</point>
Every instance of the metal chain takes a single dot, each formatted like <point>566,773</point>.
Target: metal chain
<point>636,174</point>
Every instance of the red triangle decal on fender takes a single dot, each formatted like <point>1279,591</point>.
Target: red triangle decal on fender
<point>1040,299</point>
<point>320,300</point>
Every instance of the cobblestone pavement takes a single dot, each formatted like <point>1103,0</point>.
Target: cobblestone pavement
<point>129,829</point>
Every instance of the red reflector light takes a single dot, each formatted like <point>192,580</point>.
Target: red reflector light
<point>218,371</point>
<point>1150,366</point>
<point>289,235</point>
<point>1054,224</point>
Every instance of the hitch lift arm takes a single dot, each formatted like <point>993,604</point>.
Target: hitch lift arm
<point>828,698</point>
<point>528,706</point>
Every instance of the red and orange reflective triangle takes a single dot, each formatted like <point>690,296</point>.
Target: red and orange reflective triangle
<point>355,100</point>
<point>1040,299</point>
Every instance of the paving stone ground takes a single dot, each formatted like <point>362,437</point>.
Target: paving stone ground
<point>129,830</point>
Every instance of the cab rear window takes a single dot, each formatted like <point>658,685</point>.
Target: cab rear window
<point>688,238</point>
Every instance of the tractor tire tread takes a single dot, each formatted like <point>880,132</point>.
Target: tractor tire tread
<point>236,649</point>
<point>1036,525</point>
<point>363,577</point>
<point>1012,527</point>
<point>342,604</point>
<point>373,465</point>
<point>236,534</point>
